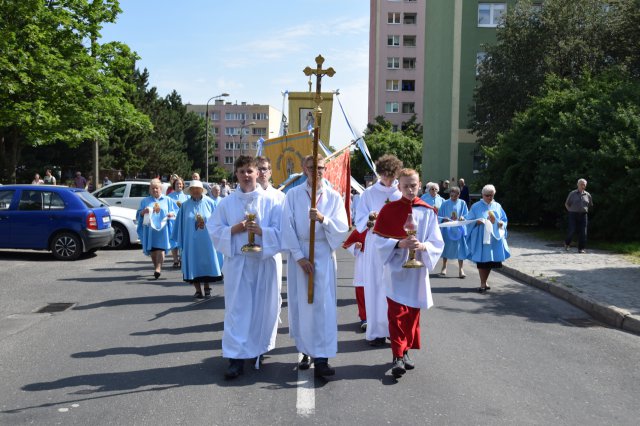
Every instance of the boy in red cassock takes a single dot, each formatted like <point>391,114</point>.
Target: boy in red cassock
<point>407,289</point>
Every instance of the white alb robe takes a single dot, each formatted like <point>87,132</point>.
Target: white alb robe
<point>314,327</point>
<point>250,279</point>
<point>375,298</point>
<point>279,197</point>
<point>408,286</point>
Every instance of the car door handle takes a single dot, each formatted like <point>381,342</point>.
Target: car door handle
<point>118,202</point>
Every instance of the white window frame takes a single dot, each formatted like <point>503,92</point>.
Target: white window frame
<point>393,63</point>
<point>409,37</point>
<point>393,85</point>
<point>393,40</point>
<point>392,107</point>
<point>410,62</point>
<point>394,18</point>
<point>228,160</point>
<point>494,19</point>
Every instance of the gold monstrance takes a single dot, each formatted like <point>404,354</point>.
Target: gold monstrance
<point>411,228</point>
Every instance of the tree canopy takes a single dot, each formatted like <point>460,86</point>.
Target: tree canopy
<point>57,83</point>
<point>405,144</point>
<point>559,99</point>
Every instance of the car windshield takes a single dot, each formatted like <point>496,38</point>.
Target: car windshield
<point>89,200</point>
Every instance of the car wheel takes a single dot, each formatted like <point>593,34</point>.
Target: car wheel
<point>120,237</point>
<point>66,246</point>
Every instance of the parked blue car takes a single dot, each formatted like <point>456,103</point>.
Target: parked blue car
<point>66,221</point>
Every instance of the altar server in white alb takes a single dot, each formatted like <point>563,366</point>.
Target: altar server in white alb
<point>250,278</point>
<point>371,202</point>
<point>314,327</point>
<point>264,180</point>
<point>408,289</point>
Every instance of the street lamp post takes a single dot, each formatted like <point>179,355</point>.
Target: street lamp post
<point>206,133</point>
<point>244,126</point>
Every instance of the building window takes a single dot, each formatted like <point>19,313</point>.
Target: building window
<point>215,159</point>
<point>258,131</point>
<point>409,63</point>
<point>408,85</point>
<point>228,146</point>
<point>393,18</point>
<point>393,85</point>
<point>393,63</point>
<point>393,40</point>
<point>228,160</point>
<point>408,107</point>
<point>215,115</point>
<point>409,41</point>
<point>235,116</point>
<point>260,116</point>
<point>490,14</point>
<point>480,57</point>
<point>232,131</point>
<point>215,130</point>
<point>410,18</point>
<point>391,107</point>
<point>394,128</point>
<point>215,145</point>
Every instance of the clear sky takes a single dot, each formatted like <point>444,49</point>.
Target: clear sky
<point>251,49</point>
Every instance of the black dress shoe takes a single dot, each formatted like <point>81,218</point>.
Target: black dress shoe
<point>236,368</point>
<point>305,363</point>
<point>398,368</point>
<point>156,275</point>
<point>408,362</point>
<point>378,341</point>
<point>323,369</point>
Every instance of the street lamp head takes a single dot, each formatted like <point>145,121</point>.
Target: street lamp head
<point>224,94</point>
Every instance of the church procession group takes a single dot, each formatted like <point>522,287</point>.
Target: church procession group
<point>241,239</point>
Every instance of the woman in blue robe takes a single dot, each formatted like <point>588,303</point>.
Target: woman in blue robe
<point>431,197</point>
<point>155,222</point>
<point>179,197</point>
<point>216,198</point>
<point>455,243</point>
<point>487,237</point>
<point>199,257</point>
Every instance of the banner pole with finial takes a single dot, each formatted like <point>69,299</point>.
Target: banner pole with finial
<point>319,73</point>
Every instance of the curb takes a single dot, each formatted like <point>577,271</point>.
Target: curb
<point>608,314</point>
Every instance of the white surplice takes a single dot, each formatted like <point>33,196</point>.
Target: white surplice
<point>279,197</point>
<point>314,327</point>
<point>408,286</point>
<point>375,298</point>
<point>250,279</point>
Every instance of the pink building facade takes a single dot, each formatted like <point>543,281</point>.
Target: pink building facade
<point>396,60</point>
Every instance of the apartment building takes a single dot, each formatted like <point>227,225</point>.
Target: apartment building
<point>234,129</point>
<point>396,60</point>
<point>455,32</point>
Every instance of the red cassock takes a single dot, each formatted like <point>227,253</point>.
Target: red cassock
<point>358,237</point>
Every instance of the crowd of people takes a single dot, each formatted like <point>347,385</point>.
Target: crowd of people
<point>241,237</point>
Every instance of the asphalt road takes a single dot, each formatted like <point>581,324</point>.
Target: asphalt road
<point>135,351</point>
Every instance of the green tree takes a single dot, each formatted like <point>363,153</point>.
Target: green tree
<point>589,128</point>
<point>566,38</point>
<point>382,140</point>
<point>56,82</point>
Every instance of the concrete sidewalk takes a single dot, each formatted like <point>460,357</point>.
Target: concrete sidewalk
<point>605,285</point>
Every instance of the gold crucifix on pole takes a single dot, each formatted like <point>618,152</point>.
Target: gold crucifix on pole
<point>319,73</point>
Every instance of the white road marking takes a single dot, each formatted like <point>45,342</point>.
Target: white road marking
<point>306,402</point>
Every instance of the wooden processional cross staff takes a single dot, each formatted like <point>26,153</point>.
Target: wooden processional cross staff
<point>318,72</point>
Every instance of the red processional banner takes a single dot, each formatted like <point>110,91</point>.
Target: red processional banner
<point>338,172</point>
